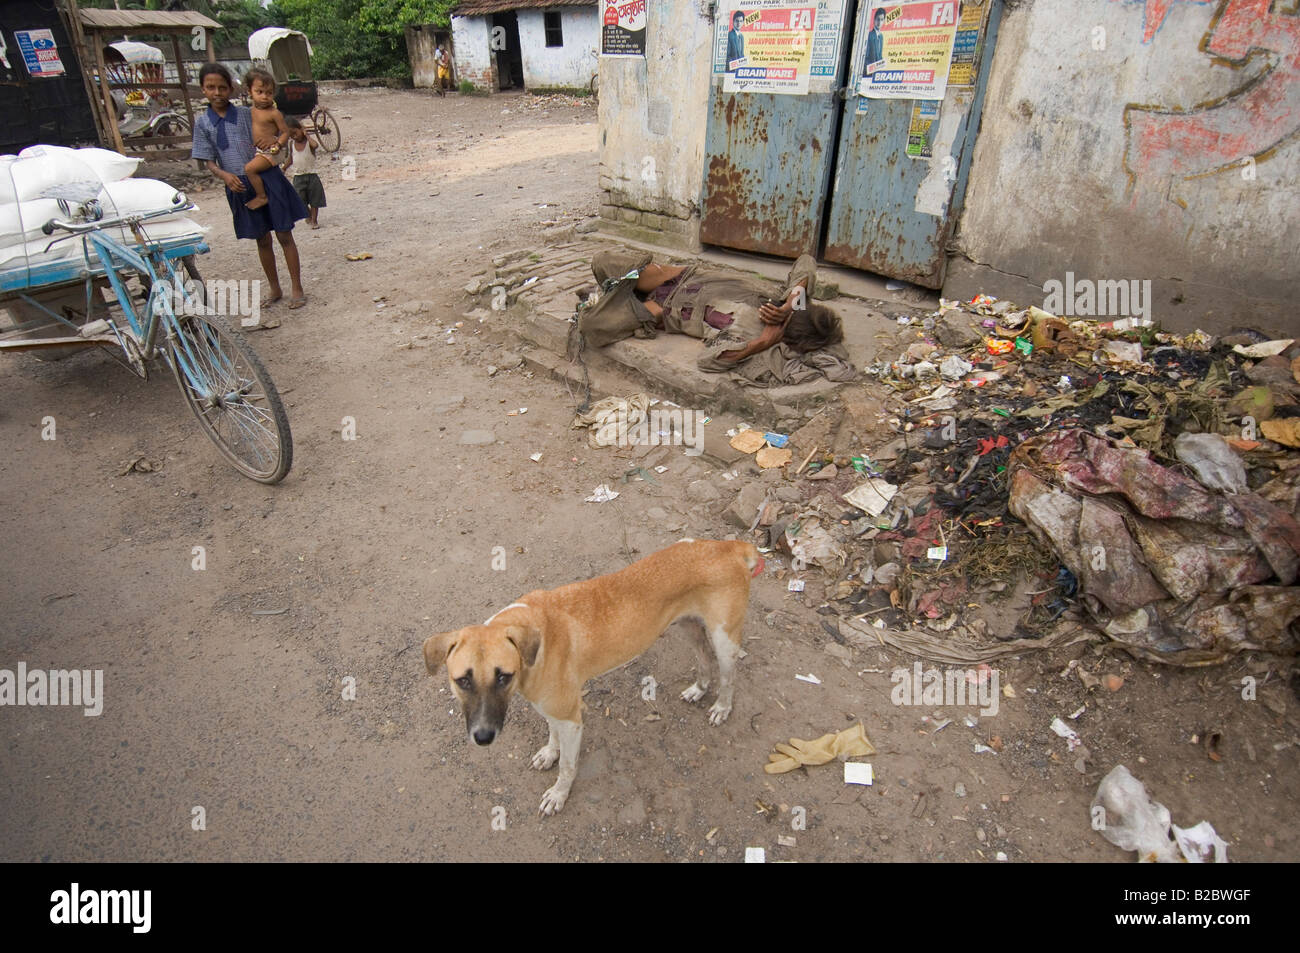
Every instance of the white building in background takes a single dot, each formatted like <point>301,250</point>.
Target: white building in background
<point>526,44</point>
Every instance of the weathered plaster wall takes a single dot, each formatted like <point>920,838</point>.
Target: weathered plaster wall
<point>569,65</point>
<point>1142,139</point>
<point>652,121</point>
<point>473,60</point>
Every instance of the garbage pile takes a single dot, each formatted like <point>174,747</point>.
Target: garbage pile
<point>1106,472</point>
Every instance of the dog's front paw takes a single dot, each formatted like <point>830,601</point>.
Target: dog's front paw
<point>693,694</point>
<point>718,714</point>
<point>553,800</point>
<point>546,757</point>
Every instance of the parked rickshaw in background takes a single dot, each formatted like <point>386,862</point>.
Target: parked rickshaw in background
<point>142,112</point>
<point>286,54</point>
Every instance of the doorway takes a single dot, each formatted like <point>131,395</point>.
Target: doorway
<point>505,49</point>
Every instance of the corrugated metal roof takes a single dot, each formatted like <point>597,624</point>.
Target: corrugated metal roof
<point>482,8</point>
<point>145,19</point>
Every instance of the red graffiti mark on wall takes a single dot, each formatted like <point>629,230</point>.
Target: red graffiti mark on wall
<point>1154,14</point>
<point>1249,121</point>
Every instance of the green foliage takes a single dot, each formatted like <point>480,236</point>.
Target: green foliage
<point>354,39</point>
<point>350,39</point>
<point>466,86</point>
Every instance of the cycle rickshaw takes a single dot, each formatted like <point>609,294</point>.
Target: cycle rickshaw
<point>286,54</point>
<point>91,277</point>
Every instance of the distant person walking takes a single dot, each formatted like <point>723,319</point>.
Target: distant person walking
<point>443,64</point>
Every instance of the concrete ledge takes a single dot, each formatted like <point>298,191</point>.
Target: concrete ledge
<point>664,366</point>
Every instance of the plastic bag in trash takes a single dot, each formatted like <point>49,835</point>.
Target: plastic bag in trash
<point>1127,817</point>
<point>1214,462</point>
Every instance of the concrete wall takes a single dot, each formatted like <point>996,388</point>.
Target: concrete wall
<point>569,65</point>
<point>1142,141</point>
<point>472,58</point>
<point>653,113</point>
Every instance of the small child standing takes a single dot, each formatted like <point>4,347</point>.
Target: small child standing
<point>268,123</point>
<point>302,163</point>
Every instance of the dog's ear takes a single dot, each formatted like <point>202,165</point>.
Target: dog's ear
<point>527,640</point>
<point>436,650</point>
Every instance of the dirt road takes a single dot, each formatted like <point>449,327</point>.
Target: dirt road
<point>212,711</point>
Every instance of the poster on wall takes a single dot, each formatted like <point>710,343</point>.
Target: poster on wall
<point>925,112</point>
<point>40,52</point>
<point>827,30</point>
<point>907,49</point>
<point>965,48</point>
<point>623,28</point>
<point>767,47</point>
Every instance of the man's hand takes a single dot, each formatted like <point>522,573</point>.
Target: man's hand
<point>775,313</point>
<point>780,313</point>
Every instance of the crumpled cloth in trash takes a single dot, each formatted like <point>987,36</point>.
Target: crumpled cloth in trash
<point>848,743</point>
<point>611,420</point>
<point>1126,816</point>
<point>1173,571</point>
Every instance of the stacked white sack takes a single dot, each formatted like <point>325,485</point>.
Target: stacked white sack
<point>23,179</point>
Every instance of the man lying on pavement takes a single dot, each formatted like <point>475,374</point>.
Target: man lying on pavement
<point>753,331</point>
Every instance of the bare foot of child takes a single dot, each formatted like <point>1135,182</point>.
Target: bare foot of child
<point>257,202</point>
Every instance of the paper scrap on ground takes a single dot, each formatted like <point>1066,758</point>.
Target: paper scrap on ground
<point>1264,348</point>
<point>871,497</point>
<point>851,742</point>
<point>603,494</point>
<point>770,457</point>
<point>857,772</point>
<point>1065,731</point>
<point>810,678</point>
<point>748,441</point>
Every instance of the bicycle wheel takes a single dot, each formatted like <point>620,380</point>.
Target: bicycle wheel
<point>327,130</point>
<point>232,395</point>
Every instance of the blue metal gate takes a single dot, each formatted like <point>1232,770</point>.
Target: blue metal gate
<point>892,213</point>
<point>769,156</point>
<point>830,171</point>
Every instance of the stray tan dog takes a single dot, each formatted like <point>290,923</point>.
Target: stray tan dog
<point>551,642</point>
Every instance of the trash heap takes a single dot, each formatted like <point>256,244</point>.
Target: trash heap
<point>1142,482</point>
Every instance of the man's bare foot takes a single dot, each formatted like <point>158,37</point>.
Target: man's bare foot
<point>257,202</point>
<point>272,298</point>
<point>297,302</point>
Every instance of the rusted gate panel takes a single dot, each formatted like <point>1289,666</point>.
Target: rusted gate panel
<point>892,214</point>
<point>876,218</point>
<point>768,164</point>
